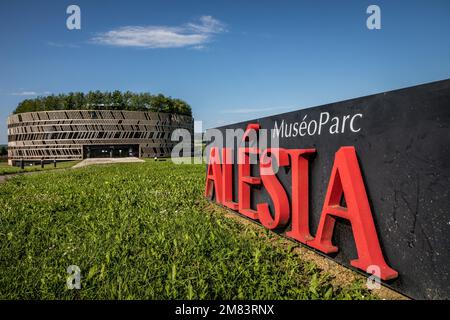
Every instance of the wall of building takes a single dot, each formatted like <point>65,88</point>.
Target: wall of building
<point>61,135</point>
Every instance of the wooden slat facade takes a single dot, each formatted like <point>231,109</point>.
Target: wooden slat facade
<point>61,135</point>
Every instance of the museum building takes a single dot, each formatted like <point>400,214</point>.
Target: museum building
<point>79,134</point>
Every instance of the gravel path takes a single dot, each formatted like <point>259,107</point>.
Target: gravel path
<point>91,161</point>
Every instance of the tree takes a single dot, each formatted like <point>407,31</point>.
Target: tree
<point>3,151</point>
<point>127,96</point>
<point>117,100</point>
<point>97,100</point>
<point>69,101</point>
<point>181,107</point>
<point>79,100</point>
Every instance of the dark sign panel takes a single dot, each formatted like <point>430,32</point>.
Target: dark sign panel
<point>364,181</point>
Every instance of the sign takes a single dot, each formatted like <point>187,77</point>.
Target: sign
<point>364,181</point>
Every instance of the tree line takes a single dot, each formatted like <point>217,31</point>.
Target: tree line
<point>97,100</point>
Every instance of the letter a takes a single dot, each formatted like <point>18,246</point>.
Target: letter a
<point>374,20</point>
<point>74,20</point>
<point>214,176</point>
<point>346,180</point>
<point>227,179</point>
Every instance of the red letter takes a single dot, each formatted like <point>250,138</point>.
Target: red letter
<point>275,190</point>
<point>300,195</point>
<point>245,179</point>
<point>346,179</point>
<point>214,175</point>
<point>227,171</point>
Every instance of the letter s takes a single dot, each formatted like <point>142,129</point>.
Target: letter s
<point>275,190</point>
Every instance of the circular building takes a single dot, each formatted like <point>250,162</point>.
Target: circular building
<point>79,134</point>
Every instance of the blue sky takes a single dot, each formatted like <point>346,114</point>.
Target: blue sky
<point>230,60</point>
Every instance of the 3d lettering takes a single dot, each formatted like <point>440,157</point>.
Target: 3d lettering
<point>345,182</point>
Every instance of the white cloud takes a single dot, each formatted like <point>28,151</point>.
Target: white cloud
<point>30,93</point>
<point>207,25</point>
<point>25,93</point>
<point>188,35</point>
<point>62,45</point>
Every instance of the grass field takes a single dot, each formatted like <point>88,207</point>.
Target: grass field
<point>7,169</point>
<point>142,231</point>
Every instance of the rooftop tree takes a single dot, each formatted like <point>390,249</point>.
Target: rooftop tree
<point>97,100</point>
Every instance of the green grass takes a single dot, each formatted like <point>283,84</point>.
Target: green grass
<point>142,231</point>
<point>7,169</point>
